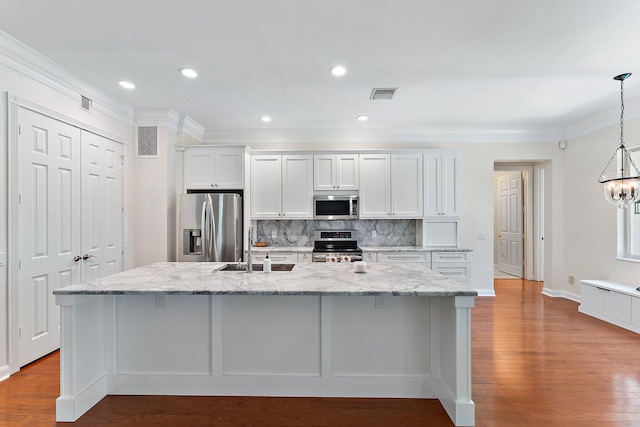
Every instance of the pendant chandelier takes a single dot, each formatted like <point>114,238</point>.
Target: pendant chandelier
<point>622,186</point>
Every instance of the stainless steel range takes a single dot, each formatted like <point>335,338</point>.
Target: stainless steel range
<point>341,244</point>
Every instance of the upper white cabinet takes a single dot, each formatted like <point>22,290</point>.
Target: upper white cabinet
<point>213,168</point>
<point>335,172</point>
<point>441,172</point>
<point>375,186</point>
<point>281,186</point>
<point>391,186</point>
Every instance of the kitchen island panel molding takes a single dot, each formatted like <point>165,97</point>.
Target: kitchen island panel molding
<point>265,343</point>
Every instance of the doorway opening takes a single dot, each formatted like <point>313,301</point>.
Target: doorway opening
<point>519,220</point>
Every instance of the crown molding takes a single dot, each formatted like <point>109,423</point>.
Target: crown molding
<point>165,117</point>
<point>22,59</point>
<point>390,136</point>
<point>190,127</point>
<point>602,119</point>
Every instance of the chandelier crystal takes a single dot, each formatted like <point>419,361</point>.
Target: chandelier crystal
<point>622,186</point>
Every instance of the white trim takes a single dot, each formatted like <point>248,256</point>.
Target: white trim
<point>32,64</point>
<point>165,117</point>
<point>553,293</point>
<point>5,372</point>
<point>486,292</point>
<point>12,104</point>
<point>392,136</point>
<point>190,127</point>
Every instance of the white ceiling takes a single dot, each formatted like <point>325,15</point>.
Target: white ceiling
<point>458,64</point>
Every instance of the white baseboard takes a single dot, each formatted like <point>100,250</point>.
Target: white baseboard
<point>486,292</point>
<point>560,294</point>
<point>5,372</point>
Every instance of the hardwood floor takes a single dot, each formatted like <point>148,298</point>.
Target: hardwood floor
<point>536,362</point>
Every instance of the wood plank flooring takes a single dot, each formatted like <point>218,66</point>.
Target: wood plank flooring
<point>536,362</point>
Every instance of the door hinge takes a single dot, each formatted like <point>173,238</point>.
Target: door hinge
<point>19,199</point>
<point>19,129</point>
<point>19,332</point>
<point>122,159</point>
<point>19,264</point>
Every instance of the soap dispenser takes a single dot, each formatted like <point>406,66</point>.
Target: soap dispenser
<point>266,265</point>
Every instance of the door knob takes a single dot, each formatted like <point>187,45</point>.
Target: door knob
<point>87,256</point>
<point>77,258</point>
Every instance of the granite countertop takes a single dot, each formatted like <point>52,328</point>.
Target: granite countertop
<point>201,278</point>
<point>364,248</point>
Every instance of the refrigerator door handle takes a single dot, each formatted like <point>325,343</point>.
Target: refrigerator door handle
<point>213,235</point>
<point>205,234</point>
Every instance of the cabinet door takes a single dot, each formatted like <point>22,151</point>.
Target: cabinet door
<point>369,257</point>
<point>297,186</point>
<point>347,175</point>
<point>228,168</point>
<point>199,168</point>
<point>592,298</point>
<point>432,186</point>
<point>449,184</point>
<point>402,257</point>
<point>406,185</point>
<point>375,186</point>
<point>324,171</point>
<point>266,186</point>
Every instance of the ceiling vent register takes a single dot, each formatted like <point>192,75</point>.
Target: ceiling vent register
<point>383,93</point>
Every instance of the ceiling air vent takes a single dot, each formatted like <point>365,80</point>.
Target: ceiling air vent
<point>85,103</point>
<point>383,93</point>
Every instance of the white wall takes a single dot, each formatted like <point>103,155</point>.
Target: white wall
<point>589,220</point>
<point>65,103</point>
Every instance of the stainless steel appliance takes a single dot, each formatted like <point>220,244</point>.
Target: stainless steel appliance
<point>335,207</point>
<point>338,243</point>
<point>211,227</point>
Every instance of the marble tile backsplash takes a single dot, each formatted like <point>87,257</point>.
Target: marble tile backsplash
<point>389,232</point>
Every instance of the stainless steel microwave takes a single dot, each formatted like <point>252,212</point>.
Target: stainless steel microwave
<point>335,207</point>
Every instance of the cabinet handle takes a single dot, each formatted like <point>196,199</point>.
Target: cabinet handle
<point>603,289</point>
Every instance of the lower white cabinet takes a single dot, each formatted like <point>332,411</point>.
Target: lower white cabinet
<point>304,257</point>
<point>276,257</point>
<point>369,257</point>
<point>404,257</point>
<point>612,302</point>
<point>454,265</point>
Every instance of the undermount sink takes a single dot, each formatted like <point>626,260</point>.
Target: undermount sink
<point>257,267</point>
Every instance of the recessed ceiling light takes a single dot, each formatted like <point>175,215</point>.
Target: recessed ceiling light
<point>265,119</point>
<point>362,118</point>
<point>338,71</point>
<point>127,85</point>
<point>188,72</point>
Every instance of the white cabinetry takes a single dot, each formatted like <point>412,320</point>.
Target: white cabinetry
<point>612,302</point>
<point>441,185</point>
<point>335,172</point>
<point>391,186</point>
<point>392,257</point>
<point>275,257</point>
<point>213,168</point>
<point>281,186</point>
<point>453,265</point>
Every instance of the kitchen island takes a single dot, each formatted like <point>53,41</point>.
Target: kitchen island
<point>398,330</point>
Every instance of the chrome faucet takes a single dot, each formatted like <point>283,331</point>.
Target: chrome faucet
<point>249,260</point>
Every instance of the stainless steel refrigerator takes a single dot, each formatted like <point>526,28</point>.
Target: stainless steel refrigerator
<point>211,227</point>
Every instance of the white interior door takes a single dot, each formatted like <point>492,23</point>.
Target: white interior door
<point>101,206</point>
<point>510,223</point>
<point>49,228</point>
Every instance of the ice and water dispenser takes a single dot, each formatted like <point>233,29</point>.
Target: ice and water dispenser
<point>191,241</point>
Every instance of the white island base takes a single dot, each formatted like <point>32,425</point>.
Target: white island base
<point>163,343</point>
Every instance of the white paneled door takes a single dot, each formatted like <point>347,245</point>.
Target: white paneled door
<point>101,206</point>
<point>49,222</point>
<point>510,223</point>
<point>70,221</point>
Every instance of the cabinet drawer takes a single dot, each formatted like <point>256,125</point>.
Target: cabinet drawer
<point>635,311</point>
<point>404,257</point>
<point>369,257</point>
<point>276,257</point>
<point>458,272</point>
<point>617,306</point>
<point>450,257</point>
<point>592,298</point>
<point>304,257</point>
